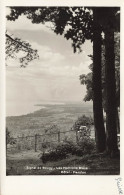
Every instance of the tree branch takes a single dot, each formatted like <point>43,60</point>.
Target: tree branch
<point>8,36</point>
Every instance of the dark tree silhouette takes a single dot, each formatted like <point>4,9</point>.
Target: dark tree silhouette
<point>87,80</point>
<point>111,125</point>
<point>97,92</point>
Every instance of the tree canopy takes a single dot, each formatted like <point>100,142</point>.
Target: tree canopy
<point>74,22</point>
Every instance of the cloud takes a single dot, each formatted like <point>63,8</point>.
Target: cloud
<point>46,56</point>
<point>46,53</point>
<point>49,64</point>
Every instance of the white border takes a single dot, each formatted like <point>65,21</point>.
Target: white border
<point>55,185</point>
<point>63,3</point>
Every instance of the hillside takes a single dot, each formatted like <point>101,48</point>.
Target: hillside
<point>25,160</point>
<point>64,116</point>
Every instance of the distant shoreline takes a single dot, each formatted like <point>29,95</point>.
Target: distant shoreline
<point>34,109</point>
<point>27,109</point>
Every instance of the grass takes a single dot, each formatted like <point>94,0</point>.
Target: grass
<point>29,163</point>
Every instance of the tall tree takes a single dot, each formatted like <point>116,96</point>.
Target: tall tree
<point>108,18</point>
<point>110,83</point>
<point>87,80</point>
<point>110,21</point>
<point>97,92</point>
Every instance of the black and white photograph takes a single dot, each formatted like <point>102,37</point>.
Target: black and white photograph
<point>62,67</point>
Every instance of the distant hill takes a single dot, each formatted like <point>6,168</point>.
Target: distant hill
<point>62,115</point>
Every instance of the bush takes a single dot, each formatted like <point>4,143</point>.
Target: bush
<point>9,140</point>
<point>85,146</point>
<point>58,153</point>
<point>83,121</point>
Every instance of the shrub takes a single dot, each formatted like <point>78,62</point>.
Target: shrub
<point>59,152</point>
<point>85,146</point>
<point>9,140</point>
<point>83,121</point>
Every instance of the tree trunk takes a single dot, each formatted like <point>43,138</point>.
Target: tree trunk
<point>111,125</point>
<point>97,90</point>
<point>117,121</point>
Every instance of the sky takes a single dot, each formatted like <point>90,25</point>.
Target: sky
<point>54,77</point>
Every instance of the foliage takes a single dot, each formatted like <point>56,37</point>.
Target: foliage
<point>9,140</point>
<point>15,45</point>
<point>83,121</point>
<point>52,129</point>
<point>74,22</point>
<point>85,146</point>
<point>62,150</point>
<point>58,153</point>
<point>86,79</point>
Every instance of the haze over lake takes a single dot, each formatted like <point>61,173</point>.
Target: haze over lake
<point>25,108</point>
<point>21,109</point>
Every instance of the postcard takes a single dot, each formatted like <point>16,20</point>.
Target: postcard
<point>61,97</point>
